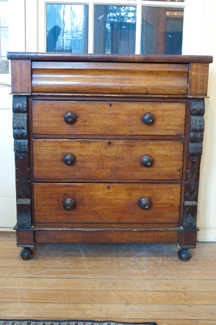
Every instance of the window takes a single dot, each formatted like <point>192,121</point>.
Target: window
<point>121,26</point>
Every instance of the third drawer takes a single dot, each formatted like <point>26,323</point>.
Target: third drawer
<point>103,160</point>
<point>61,204</point>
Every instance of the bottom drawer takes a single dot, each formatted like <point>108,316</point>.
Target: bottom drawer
<point>76,203</point>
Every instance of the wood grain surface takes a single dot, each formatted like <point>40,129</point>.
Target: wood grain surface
<point>107,118</point>
<point>198,79</point>
<point>106,203</point>
<point>136,283</point>
<point>105,237</point>
<point>109,78</point>
<point>21,76</point>
<point>107,160</point>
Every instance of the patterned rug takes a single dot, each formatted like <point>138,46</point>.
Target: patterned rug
<point>65,322</point>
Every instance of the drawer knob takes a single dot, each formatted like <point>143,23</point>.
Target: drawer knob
<point>70,117</point>
<point>69,159</point>
<point>69,204</point>
<point>145,203</point>
<point>148,118</point>
<point>147,161</point>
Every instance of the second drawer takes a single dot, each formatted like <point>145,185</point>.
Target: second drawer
<point>102,160</point>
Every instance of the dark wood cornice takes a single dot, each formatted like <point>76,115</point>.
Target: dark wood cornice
<point>109,57</point>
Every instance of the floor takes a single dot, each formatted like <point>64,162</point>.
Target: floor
<point>130,283</point>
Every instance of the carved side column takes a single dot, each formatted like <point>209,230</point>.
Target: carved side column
<point>187,237</point>
<point>23,184</point>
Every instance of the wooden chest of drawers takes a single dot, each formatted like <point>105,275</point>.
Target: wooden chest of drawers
<point>107,148</point>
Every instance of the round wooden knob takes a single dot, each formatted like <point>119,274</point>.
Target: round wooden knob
<point>69,159</point>
<point>69,204</point>
<point>70,117</point>
<point>147,161</point>
<point>148,118</point>
<point>145,203</point>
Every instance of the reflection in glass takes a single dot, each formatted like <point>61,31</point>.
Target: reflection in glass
<point>4,37</point>
<point>162,30</point>
<point>114,29</point>
<point>67,28</point>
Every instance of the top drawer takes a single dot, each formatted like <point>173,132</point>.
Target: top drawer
<point>109,78</point>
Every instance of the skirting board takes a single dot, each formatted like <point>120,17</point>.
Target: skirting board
<point>206,234</point>
<point>7,232</point>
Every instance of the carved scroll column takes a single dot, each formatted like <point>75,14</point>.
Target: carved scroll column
<point>197,110</point>
<point>23,185</point>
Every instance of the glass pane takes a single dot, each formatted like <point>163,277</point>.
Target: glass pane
<point>67,28</point>
<point>4,37</point>
<point>162,30</point>
<point>114,29</point>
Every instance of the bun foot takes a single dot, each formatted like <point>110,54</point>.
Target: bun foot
<point>26,253</point>
<point>184,255</point>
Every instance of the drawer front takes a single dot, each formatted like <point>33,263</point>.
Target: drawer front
<point>107,118</point>
<point>103,160</point>
<point>106,203</point>
<point>109,78</point>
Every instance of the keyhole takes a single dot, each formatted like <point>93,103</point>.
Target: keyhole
<point>110,105</point>
<point>110,143</point>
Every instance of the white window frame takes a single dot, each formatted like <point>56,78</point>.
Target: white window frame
<point>5,77</point>
<point>136,3</point>
<point>17,31</point>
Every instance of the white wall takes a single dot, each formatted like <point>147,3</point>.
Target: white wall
<point>207,194</point>
<point>7,166</point>
<point>7,189</point>
<point>200,24</point>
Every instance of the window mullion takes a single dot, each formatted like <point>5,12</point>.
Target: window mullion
<point>166,4</point>
<point>138,28</point>
<point>91,28</point>
<point>162,4</point>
